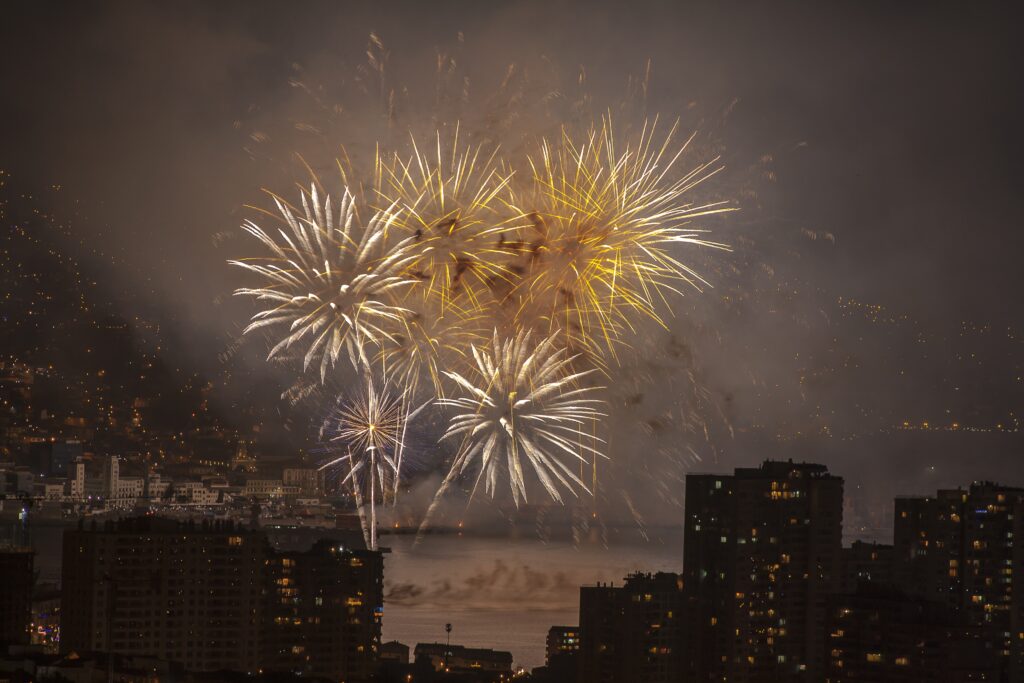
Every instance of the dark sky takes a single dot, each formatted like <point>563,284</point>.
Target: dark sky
<point>874,150</point>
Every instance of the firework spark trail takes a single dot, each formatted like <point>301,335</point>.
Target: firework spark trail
<point>327,280</point>
<point>370,429</point>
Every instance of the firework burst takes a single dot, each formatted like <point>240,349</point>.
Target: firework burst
<point>606,224</point>
<point>522,410</point>
<point>453,203</point>
<point>327,280</point>
<point>501,296</point>
<point>368,432</point>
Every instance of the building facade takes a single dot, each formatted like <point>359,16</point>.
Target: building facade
<point>561,640</point>
<point>879,633</point>
<point>762,554</point>
<point>632,633</point>
<point>182,592</point>
<point>960,547</point>
<point>324,612</point>
<point>483,663</point>
<point>218,597</point>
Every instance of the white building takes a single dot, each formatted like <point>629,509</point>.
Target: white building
<point>196,493</point>
<point>55,489</point>
<point>78,481</point>
<point>127,492</point>
<point>263,488</point>
<point>157,487</point>
<point>309,481</point>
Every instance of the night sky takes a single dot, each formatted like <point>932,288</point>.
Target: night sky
<point>869,315</point>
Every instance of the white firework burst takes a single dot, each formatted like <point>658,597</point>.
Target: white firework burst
<point>369,432</point>
<point>522,409</point>
<point>327,280</point>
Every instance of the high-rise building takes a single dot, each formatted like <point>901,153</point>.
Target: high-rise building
<point>599,611</point>
<point>927,546</point>
<point>324,612</point>
<point>218,597</point>
<point>16,583</point>
<point>959,547</point>
<point>184,592</point>
<point>632,633</point>
<point>762,554</point>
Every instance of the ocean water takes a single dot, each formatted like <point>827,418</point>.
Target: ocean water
<point>503,593</point>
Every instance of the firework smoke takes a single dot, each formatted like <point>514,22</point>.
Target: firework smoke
<point>503,287</point>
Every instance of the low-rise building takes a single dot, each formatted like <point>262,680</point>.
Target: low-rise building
<point>263,488</point>
<point>459,659</point>
<point>309,481</point>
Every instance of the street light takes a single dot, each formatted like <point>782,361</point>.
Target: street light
<point>447,644</point>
